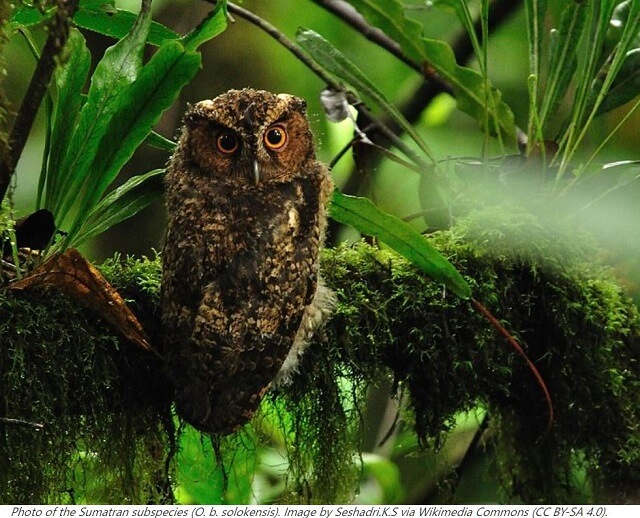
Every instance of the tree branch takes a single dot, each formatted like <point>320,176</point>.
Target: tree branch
<point>375,124</point>
<point>20,422</point>
<point>58,35</point>
<point>422,96</point>
<point>284,41</point>
<point>348,14</point>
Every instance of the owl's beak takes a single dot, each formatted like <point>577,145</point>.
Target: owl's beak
<point>256,172</point>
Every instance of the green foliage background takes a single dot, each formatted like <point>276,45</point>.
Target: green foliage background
<point>449,144</point>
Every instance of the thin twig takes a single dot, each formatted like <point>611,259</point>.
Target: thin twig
<point>348,13</point>
<point>387,130</point>
<point>512,341</point>
<point>461,46</point>
<point>290,45</point>
<point>21,422</point>
<point>285,42</point>
<point>58,35</point>
<point>424,94</point>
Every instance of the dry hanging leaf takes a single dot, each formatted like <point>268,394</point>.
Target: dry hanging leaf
<point>75,276</point>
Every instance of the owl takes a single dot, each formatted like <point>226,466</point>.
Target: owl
<point>241,295</point>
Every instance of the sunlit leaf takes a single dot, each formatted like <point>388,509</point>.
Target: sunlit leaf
<point>28,17</point>
<point>99,16</point>
<point>104,18</point>
<point>387,474</point>
<point>139,108</point>
<point>365,217</point>
<point>209,28</point>
<point>118,68</point>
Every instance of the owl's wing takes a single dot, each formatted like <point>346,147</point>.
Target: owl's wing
<point>249,315</point>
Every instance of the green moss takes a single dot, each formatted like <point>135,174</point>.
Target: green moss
<point>569,314</point>
<point>104,438</point>
<point>107,421</point>
<point>64,369</point>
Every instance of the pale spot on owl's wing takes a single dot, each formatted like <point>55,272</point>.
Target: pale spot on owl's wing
<point>294,219</point>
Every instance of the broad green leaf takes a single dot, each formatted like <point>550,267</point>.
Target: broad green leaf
<point>387,474</point>
<point>365,217</point>
<point>116,23</point>
<point>69,79</point>
<point>209,28</point>
<point>563,62</point>
<point>470,87</point>
<point>28,17</point>
<point>623,14</point>
<point>626,85</point>
<point>125,201</point>
<point>117,69</point>
<point>139,108</point>
<point>158,141</point>
<point>623,36</point>
<point>97,16</point>
<point>337,64</point>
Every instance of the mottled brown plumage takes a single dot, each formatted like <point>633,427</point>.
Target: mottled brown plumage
<point>246,200</point>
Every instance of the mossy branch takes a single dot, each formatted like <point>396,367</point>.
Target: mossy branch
<point>62,366</point>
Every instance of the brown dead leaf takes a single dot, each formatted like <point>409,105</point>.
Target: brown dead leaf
<point>71,273</point>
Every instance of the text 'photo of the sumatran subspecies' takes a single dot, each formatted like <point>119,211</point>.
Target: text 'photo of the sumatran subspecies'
<point>246,200</point>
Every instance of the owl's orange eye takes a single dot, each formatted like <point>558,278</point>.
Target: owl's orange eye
<point>227,142</point>
<point>276,137</point>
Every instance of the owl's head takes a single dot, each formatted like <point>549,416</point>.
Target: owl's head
<point>249,136</point>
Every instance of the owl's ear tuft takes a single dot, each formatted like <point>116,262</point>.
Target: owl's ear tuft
<point>192,118</point>
<point>294,103</point>
<point>300,105</point>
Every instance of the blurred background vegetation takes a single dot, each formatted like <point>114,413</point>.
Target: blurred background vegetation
<point>245,56</point>
<point>605,204</point>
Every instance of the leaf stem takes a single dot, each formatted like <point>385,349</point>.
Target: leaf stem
<point>513,342</point>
